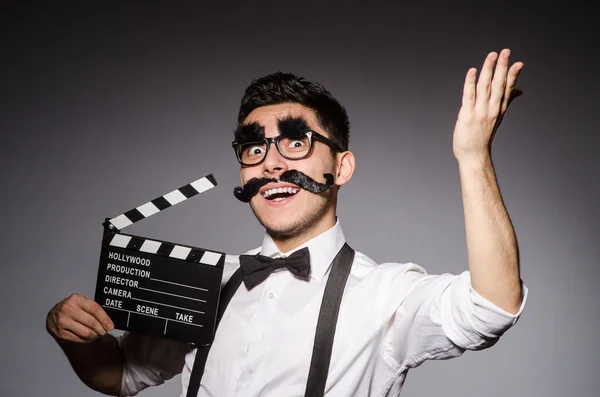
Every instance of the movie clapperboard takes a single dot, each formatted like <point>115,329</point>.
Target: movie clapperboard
<point>155,287</point>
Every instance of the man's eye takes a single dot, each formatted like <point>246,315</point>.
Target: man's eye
<point>296,143</point>
<point>255,150</point>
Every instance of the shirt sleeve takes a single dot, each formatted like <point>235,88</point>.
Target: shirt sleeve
<point>149,361</point>
<point>441,316</point>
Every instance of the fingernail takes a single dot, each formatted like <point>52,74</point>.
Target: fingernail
<point>109,326</point>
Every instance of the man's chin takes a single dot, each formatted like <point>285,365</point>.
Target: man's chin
<point>281,234</point>
<point>280,231</point>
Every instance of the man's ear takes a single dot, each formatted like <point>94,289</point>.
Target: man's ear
<point>345,167</point>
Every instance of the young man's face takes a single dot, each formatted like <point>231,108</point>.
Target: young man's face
<point>303,212</point>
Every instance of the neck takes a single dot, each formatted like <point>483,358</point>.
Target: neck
<point>290,243</point>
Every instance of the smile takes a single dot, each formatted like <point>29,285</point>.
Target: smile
<point>280,193</point>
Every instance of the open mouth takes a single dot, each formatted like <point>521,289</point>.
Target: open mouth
<point>280,193</point>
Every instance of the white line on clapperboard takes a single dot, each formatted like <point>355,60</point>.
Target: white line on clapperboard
<point>150,315</point>
<point>183,285</point>
<point>167,293</point>
<point>164,304</point>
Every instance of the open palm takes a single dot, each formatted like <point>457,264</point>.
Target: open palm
<point>484,103</point>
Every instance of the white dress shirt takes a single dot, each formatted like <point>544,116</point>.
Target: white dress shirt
<point>392,318</point>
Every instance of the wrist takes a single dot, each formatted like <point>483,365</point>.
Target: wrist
<point>474,161</point>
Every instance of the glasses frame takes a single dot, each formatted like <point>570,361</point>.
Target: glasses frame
<point>275,140</point>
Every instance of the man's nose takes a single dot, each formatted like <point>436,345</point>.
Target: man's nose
<point>274,162</point>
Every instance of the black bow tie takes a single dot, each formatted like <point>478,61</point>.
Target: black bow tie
<point>256,268</point>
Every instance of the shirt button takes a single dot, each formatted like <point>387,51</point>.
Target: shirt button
<point>271,295</point>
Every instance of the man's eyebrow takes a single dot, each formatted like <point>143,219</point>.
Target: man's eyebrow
<point>292,126</point>
<point>252,132</point>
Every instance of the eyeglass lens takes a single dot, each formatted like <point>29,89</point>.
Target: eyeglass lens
<point>292,148</point>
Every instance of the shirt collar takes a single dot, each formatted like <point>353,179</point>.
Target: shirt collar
<point>323,249</point>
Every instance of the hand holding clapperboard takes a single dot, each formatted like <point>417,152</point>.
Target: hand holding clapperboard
<point>155,287</point>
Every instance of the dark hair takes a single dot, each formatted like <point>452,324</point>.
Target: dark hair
<point>281,87</point>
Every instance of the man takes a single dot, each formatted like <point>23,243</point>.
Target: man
<point>292,143</point>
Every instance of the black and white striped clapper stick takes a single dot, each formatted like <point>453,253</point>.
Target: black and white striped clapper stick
<point>163,202</point>
<point>156,287</point>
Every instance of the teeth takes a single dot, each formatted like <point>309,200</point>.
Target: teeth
<point>289,190</point>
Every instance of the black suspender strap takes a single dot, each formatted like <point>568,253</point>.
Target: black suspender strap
<point>324,335</point>
<point>328,315</point>
<point>202,351</point>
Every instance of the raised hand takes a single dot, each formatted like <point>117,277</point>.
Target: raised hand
<point>78,319</point>
<point>484,104</point>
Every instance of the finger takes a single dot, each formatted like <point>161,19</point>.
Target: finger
<point>69,329</point>
<point>511,82</point>
<point>485,78</point>
<point>81,331</point>
<point>468,99</point>
<point>89,321</point>
<point>499,80</point>
<point>95,310</point>
<point>69,336</point>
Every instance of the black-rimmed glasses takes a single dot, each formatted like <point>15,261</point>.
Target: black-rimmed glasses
<point>292,148</point>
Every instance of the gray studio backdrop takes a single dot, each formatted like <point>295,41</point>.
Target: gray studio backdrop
<point>106,108</point>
